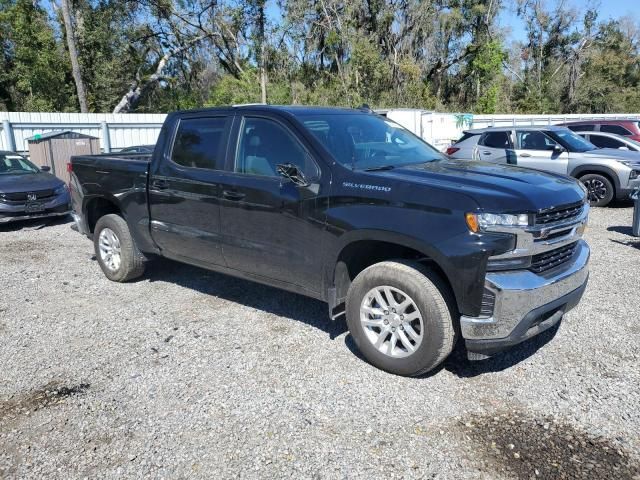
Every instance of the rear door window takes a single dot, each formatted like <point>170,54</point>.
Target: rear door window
<point>617,129</point>
<point>466,137</point>
<point>500,140</point>
<point>606,142</point>
<point>199,143</point>
<point>582,128</point>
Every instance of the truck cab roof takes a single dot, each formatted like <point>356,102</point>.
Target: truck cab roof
<point>291,109</point>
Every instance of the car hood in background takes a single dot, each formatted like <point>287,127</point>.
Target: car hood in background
<point>28,182</point>
<point>614,154</point>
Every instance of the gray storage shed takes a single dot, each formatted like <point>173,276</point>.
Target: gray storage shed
<point>56,148</point>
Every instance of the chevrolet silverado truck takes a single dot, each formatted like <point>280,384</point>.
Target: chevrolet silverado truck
<point>345,206</point>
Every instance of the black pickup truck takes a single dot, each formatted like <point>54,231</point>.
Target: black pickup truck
<point>345,206</point>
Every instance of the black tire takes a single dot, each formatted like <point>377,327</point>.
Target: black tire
<point>434,300</point>
<point>131,260</point>
<point>601,190</point>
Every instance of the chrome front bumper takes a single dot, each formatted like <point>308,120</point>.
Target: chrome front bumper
<point>522,294</point>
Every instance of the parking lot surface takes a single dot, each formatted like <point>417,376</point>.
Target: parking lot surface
<point>188,373</point>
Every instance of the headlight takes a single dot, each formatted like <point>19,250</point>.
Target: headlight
<point>488,221</point>
<point>61,189</point>
<point>584,189</point>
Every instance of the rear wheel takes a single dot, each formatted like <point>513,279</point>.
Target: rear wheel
<point>401,317</point>
<point>600,190</point>
<point>115,249</point>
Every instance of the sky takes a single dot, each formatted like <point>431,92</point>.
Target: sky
<point>606,8</point>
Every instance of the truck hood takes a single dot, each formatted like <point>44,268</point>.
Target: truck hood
<point>494,187</point>
<point>28,182</point>
<point>614,154</point>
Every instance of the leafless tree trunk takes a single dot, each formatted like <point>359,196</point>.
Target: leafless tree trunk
<point>263,66</point>
<point>140,86</point>
<point>73,53</point>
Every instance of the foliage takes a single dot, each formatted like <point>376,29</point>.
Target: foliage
<point>36,75</point>
<point>162,55</point>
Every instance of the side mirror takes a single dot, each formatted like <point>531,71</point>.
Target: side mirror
<point>293,173</point>
<point>45,168</point>
<point>559,149</point>
<point>624,147</point>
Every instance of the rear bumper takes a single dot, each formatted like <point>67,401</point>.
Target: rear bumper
<point>526,304</point>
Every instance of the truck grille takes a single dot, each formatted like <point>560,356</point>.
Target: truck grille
<point>548,260</point>
<point>566,212</point>
<point>22,196</point>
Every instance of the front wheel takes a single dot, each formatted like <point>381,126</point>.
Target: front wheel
<point>115,249</point>
<point>600,191</point>
<point>401,317</point>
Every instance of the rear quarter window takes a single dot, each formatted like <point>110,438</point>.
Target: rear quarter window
<point>466,137</point>
<point>496,140</point>
<point>582,128</point>
<point>617,129</point>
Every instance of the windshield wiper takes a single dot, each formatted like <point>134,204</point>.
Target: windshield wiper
<point>382,167</point>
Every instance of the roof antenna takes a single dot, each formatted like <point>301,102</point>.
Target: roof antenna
<point>365,108</point>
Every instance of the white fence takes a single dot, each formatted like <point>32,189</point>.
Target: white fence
<point>115,131</point>
<point>482,121</point>
<point>442,129</point>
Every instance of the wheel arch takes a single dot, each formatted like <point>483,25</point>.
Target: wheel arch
<point>98,206</point>
<point>364,248</point>
<point>607,172</point>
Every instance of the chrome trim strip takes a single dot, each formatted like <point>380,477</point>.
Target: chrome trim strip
<point>521,291</point>
<point>32,217</point>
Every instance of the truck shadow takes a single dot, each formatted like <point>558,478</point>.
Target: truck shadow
<point>459,365</point>
<point>314,313</point>
<point>262,297</point>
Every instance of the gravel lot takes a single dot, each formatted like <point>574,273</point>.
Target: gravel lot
<point>187,373</point>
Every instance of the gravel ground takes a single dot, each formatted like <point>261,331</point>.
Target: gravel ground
<point>187,373</point>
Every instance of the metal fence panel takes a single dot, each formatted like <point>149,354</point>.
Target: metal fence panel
<point>124,130</point>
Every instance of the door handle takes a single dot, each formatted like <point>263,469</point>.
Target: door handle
<point>232,195</point>
<point>486,153</point>
<point>160,184</point>
<point>525,155</point>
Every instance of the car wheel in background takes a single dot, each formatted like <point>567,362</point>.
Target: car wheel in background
<point>115,249</point>
<point>600,190</point>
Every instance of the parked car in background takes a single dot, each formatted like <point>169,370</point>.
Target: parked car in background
<point>606,173</point>
<point>138,149</point>
<point>610,140</point>
<point>27,191</point>
<point>626,128</point>
<point>350,208</point>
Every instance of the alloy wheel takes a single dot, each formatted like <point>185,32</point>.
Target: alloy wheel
<point>597,190</point>
<point>110,252</point>
<point>391,321</point>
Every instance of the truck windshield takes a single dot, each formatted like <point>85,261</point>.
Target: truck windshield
<point>367,142</point>
<point>571,141</point>
<point>12,164</point>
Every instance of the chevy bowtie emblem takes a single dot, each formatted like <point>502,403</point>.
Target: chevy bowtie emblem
<point>32,196</point>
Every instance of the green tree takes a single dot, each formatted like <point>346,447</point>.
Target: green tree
<point>37,73</point>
